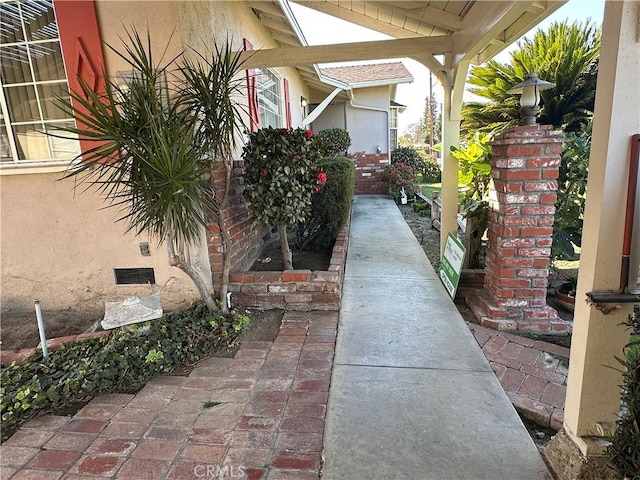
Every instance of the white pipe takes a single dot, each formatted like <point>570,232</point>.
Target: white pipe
<point>43,336</point>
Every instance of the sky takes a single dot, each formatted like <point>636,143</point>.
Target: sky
<point>316,26</point>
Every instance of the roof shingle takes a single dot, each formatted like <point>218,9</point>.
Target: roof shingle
<point>390,73</point>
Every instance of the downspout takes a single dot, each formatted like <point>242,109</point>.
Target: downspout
<point>627,292</point>
<point>376,109</point>
<point>626,279</point>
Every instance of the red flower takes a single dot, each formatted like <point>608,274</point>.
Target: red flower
<point>318,188</point>
<point>393,174</point>
<point>263,173</point>
<point>308,133</point>
<point>322,177</point>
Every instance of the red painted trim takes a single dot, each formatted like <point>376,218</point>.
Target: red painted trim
<point>252,92</point>
<point>287,103</point>
<point>81,48</point>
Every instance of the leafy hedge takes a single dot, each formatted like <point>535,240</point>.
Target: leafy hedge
<point>419,161</point>
<point>431,172</point>
<point>122,362</point>
<point>333,141</point>
<point>408,156</point>
<point>330,207</point>
<point>280,174</point>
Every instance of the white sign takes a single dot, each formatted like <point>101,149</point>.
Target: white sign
<point>451,264</point>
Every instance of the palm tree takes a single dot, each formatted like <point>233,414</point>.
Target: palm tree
<point>157,140</point>
<point>566,54</point>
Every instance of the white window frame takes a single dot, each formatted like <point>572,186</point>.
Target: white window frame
<point>39,165</point>
<point>393,128</point>
<point>267,107</point>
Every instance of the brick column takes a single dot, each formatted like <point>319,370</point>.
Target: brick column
<point>525,170</point>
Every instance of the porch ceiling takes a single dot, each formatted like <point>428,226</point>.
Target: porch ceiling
<point>438,33</point>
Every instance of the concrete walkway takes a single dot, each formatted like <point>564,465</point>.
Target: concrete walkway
<point>412,396</point>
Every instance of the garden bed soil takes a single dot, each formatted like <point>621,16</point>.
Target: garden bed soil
<point>270,259</point>
<point>20,330</point>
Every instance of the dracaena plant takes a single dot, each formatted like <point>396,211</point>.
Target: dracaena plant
<point>157,140</point>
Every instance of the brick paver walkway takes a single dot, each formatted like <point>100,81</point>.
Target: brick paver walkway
<point>259,415</point>
<point>532,372</point>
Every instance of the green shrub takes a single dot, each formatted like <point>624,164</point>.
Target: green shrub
<point>571,195</point>
<point>281,179</point>
<point>333,141</point>
<point>422,208</point>
<point>624,449</point>
<point>122,362</point>
<point>398,176</point>
<point>474,163</point>
<point>330,207</point>
<point>280,174</point>
<point>408,156</point>
<point>431,172</point>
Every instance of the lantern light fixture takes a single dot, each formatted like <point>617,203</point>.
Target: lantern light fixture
<point>530,90</point>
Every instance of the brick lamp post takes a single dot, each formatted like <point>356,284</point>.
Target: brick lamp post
<point>524,166</point>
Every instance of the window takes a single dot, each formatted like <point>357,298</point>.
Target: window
<point>32,78</point>
<point>270,98</point>
<point>393,128</point>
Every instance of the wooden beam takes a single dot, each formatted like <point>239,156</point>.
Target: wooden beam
<point>429,61</point>
<point>357,18</point>
<point>287,39</point>
<point>267,7</point>
<point>345,52</point>
<point>276,24</point>
<point>427,14</point>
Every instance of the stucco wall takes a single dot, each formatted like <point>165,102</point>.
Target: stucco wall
<point>366,123</point>
<point>334,116</point>
<point>365,117</point>
<point>61,246</point>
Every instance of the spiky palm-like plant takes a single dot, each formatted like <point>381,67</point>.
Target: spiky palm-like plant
<point>157,139</point>
<point>565,54</point>
<point>213,90</point>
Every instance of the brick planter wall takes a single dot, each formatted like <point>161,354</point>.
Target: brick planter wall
<point>294,289</point>
<point>246,235</point>
<point>471,280</point>
<point>369,168</point>
<point>525,165</point>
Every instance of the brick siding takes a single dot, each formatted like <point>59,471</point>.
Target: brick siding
<point>369,168</point>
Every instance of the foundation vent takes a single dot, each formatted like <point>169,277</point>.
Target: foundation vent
<point>129,276</point>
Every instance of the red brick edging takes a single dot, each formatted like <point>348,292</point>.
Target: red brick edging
<point>533,373</point>
<point>302,290</point>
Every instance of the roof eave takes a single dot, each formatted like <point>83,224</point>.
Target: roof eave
<point>380,83</point>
